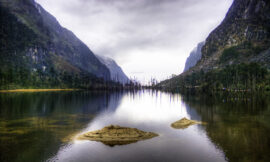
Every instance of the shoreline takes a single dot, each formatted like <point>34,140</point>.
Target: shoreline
<point>36,90</point>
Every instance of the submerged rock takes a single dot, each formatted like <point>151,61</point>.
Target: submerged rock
<point>184,123</point>
<point>116,135</point>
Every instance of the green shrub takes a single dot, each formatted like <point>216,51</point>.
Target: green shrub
<point>228,54</point>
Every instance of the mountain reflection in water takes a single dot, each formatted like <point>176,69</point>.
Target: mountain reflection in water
<point>33,126</point>
<point>148,111</point>
<point>42,126</point>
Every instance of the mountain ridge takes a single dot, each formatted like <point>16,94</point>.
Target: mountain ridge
<point>116,71</point>
<point>239,49</point>
<point>247,26</point>
<point>194,56</point>
<point>37,51</point>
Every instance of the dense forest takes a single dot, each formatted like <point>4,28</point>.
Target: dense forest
<point>239,77</point>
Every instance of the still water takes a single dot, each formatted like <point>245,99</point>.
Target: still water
<point>42,126</point>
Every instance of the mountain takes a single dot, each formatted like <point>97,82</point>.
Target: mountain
<point>236,55</point>
<point>242,37</point>
<point>194,56</point>
<point>117,73</point>
<point>36,51</point>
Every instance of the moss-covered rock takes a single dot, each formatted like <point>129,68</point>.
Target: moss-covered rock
<point>116,135</point>
<point>184,123</point>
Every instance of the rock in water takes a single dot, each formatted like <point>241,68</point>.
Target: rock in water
<point>116,135</point>
<point>184,123</point>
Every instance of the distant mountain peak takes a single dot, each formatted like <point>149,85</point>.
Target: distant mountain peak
<point>194,56</point>
<point>117,73</point>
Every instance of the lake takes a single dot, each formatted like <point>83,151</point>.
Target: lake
<point>42,126</point>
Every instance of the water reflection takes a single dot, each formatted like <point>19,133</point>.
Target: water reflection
<point>40,126</point>
<point>240,127</point>
<point>148,111</point>
<point>33,126</point>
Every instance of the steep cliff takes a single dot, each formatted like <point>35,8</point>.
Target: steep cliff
<point>243,36</point>
<point>194,56</point>
<point>37,51</point>
<point>236,55</point>
<point>117,73</point>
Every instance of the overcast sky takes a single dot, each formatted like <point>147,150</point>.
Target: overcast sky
<point>147,38</point>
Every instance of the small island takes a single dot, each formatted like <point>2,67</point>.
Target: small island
<point>116,135</point>
<point>184,123</point>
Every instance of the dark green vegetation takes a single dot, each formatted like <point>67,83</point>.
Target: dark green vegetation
<point>236,55</point>
<point>240,77</point>
<point>228,54</point>
<point>244,52</point>
<point>36,52</point>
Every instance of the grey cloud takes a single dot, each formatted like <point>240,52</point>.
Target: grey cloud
<point>117,28</point>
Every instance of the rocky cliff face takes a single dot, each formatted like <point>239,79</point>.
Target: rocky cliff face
<point>194,57</point>
<point>238,48</point>
<point>245,32</point>
<point>117,73</point>
<point>35,45</point>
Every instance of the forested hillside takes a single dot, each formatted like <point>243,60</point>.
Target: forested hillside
<point>236,55</point>
<point>37,52</point>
